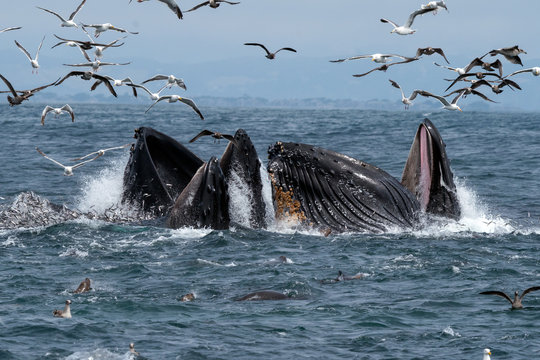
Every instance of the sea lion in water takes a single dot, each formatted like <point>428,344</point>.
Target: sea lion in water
<point>263,295</point>
<point>84,286</point>
<point>66,313</point>
<point>188,297</point>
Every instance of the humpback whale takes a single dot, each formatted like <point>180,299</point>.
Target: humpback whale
<point>316,187</point>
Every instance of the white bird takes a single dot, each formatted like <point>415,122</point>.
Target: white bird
<point>534,70</point>
<point>214,4</point>
<point>435,5</point>
<point>405,29</point>
<point>174,98</point>
<point>99,28</point>
<point>153,96</point>
<point>98,48</point>
<point>57,111</point>
<point>378,58</point>
<point>68,170</point>
<point>487,352</point>
<point>10,29</point>
<point>446,105</point>
<point>102,152</point>
<point>171,4</point>
<point>69,22</point>
<point>171,81</point>
<point>66,313</point>
<point>33,62</point>
<point>405,100</point>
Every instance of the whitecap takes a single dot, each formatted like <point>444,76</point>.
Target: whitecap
<point>74,252</point>
<point>449,331</point>
<point>100,354</point>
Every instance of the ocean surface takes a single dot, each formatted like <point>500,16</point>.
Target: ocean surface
<point>418,297</point>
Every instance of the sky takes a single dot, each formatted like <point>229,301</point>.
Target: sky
<point>206,47</point>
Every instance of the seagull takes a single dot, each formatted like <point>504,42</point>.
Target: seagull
<point>430,51</point>
<point>66,313</point>
<point>171,4</point>
<point>214,4</point>
<point>25,94</point>
<point>479,75</point>
<point>102,152</point>
<point>115,82</point>
<point>57,111</point>
<point>69,22</point>
<point>487,352</point>
<point>446,105</point>
<point>153,96</point>
<point>84,286</point>
<point>434,5</point>
<point>215,135</point>
<point>460,71</point>
<point>534,70</point>
<point>68,170</point>
<point>510,53</point>
<point>132,349</point>
<point>10,29</point>
<point>405,100</point>
<point>171,81</point>
<point>516,303</point>
<point>470,90</point>
<point>33,62</point>
<point>174,98</point>
<point>378,58</point>
<point>270,55</point>
<point>87,75</point>
<point>85,45</point>
<point>405,29</point>
<point>495,87</point>
<point>99,28</point>
<point>96,64</point>
<point>386,66</point>
<point>99,48</point>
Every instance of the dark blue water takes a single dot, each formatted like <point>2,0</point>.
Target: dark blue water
<point>418,297</point>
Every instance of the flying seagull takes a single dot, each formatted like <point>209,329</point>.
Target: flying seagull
<point>171,81</point>
<point>430,51</point>
<point>171,4</point>
<point>479,75</point>
<point>10,29</point>
<point>69,22</point>
<point>516,303</point>
<point>470,90</point>
<point>153,96</point>
<point>87,75</point>
<point>96,64</point>
<point>378,58</point>
<point>25,94</point>
<point>495,87</point>
<point>85,45</point>
<point>174,98</point>
<point>434,5</point>
<point>99,28</point>
<point>510,53</point>
<point>99,48</point>
<point>66,313</point>
<point>68,170</point>
<point>446,105</point>
<point>115,82</point>
<point>215,135</point>
<point>214,4</point>
<point>386,66</point>
<point>270,55</point>
<point>34,61</point>
<point>405,29</point>
<point>57,111</point>
<point>405,100</point>
<point>101,152</point>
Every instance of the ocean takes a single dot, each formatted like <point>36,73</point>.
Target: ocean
<point>417,298</point>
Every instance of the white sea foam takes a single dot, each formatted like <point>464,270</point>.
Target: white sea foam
<point>449,331</point>
<point>74,252</point>
<point>240,200</point>
<point>100,354</point>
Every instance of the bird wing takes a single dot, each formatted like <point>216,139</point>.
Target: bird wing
<point>478,83</point>
<point>498,293</point>
<point>390,22</point>
<point>520,71</point>
<point>370,71</point>
<point>23,50</point>
<point>534,288</point>
<point>476,92</point>
<point>9,85</point>
<point>104,150</point>
<point>69,111</point>
<point>285,48</point>
<point>414,94</point>
<point>199,6</point>
<point>509,83</point>
<point>462,76</point>
<point>10,29</point>
<point>106,82</point>
<point>46,157</point>
<point>52,12</point>
<point>202,133</point>
<point>261,45</point>
<point>84,162</point>
<point>446,67</point>
<point>165,97</point>
<point>352,58</point>
<point>230,138</point>
<point>228,2</point>
<point>140,87</point>
<point>441,52</point>
<point>174,7</point>
<point>180,83</point>
<point>85,54</point>
<point>44,113</point>
<point>39,48</point>
<point>396,85</point>
<point>43,87</point>
<point>76,10</point>
<point>458,96</point>
<point>440,98</point>
<point>192,105</point>
<point>414,14</point>
<point>497,65</point>
<point>73,73</point>
<point>473,63</point>
<point>156,77</point>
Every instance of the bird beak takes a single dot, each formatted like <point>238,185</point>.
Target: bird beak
<point>489,353</point>
<point>460,110</point>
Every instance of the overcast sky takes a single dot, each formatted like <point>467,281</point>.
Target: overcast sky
<point>206,47</point>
